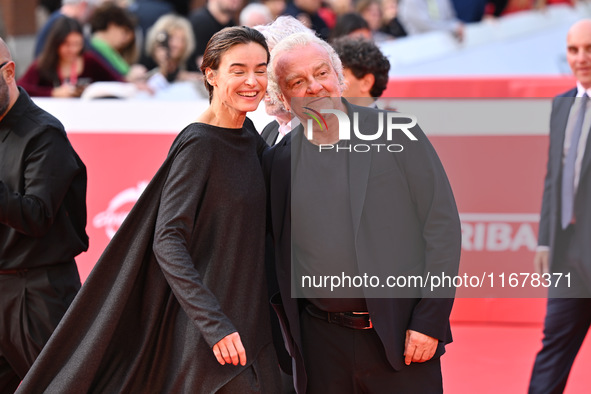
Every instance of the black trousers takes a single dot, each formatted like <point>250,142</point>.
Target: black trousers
<point>341,360</point>
<point>31,305</point>
<point>568,317</point>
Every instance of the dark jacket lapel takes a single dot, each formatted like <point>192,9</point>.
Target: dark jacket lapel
<point>359,165</point>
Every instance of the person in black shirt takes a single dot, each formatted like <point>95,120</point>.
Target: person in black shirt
<point>306,11</point>
<point>42,225</point>
<point>208,20</point>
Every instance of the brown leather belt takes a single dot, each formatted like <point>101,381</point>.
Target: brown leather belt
<point>354,320</point>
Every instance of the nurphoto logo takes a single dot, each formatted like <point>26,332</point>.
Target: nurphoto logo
<point>388,122</point>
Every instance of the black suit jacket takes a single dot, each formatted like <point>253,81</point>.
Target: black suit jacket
<point>270,133</point>
<point>551,202</point>
<point>405,198</point>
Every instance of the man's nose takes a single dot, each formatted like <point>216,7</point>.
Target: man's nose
<point>314,87</point>
<point>583,56</point>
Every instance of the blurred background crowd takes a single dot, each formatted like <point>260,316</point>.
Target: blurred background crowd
<point>62,46</point>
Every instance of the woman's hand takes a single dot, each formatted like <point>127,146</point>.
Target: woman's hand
<point>67,90</point>
<point>137,73</point>
<point>230,350</point>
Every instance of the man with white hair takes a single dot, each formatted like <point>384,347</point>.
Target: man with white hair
<point>283,27</point>
<point>340,212</point>
<point>77,9</point>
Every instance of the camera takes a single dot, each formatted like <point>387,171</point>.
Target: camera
<point>162,40</point>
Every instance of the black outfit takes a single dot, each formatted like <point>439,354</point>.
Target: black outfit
<point>568,313</point>
<point>354,361</point>
<point>394,28</point>
<point>204,27</point>
<point>405,222</point>
<point>185,269</point>
<point>318,24</point>
<point>42,229</point>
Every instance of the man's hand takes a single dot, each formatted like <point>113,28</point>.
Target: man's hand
<point>418,347</point>
<point>541,264</point>
<point>230,350</point>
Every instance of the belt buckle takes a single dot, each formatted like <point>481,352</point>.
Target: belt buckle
<point>368,318</point>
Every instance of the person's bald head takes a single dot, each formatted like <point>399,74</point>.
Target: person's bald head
<point>4,52</point>
<point>578,51</point>
<point>8,89</point>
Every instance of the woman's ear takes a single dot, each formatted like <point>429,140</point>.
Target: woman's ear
<point>210,75</point>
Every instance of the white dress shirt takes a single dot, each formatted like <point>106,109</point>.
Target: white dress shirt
<point>572,118</point>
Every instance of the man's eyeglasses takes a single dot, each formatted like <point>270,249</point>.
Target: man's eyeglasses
<point>4,64</point>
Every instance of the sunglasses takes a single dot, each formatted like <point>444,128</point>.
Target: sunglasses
<point>4,64</point>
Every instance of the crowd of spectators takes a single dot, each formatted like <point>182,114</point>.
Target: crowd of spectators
<point>153,43</point>
<point>64,68</point>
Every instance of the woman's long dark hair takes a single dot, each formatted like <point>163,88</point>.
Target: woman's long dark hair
<point>48,60</point>
<point>224,40</point>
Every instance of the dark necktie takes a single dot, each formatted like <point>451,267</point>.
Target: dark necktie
<point>568,170</point>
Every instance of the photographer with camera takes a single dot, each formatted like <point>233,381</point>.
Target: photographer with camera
<point>170,42</point>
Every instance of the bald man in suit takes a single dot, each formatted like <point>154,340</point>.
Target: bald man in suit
<point>565,222</point>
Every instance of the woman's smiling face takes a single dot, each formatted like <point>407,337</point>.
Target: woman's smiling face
<point>240,81</point>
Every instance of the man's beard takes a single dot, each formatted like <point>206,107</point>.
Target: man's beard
<point>228,9</point>
<point>4,97</point>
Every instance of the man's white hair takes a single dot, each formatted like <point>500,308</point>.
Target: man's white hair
<point>292,42</point>
<point>281,28</point>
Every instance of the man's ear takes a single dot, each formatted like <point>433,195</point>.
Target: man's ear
<point>210,75</point>
<point>285,102</point>
<point>9,72</point>
<point>366,83</point>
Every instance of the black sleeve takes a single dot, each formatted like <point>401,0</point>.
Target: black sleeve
<point>48,172</point>
<point>183,189</point>
<point>437,212</point>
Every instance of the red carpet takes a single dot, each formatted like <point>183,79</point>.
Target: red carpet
<point>498,358</point>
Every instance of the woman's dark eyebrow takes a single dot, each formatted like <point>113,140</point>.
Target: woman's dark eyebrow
<point>244,65</point>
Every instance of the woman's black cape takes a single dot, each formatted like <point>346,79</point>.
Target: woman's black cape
<point>124,333</point>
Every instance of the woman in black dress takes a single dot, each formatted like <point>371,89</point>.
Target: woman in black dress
<point>178,302</point>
